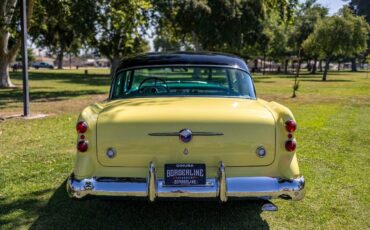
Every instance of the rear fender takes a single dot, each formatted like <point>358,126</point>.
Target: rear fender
<point>287,161</point>
<point>85,162</point>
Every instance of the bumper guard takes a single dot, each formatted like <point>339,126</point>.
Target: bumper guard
<point>220,188</point>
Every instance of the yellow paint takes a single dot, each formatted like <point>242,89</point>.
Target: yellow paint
<point>246,125</point>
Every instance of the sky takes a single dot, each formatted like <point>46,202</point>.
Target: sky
<point>333,5</point>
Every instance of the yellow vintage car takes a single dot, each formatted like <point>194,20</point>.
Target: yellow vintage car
<point>186,125</point>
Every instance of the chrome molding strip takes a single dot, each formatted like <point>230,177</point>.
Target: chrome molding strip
<point>222,187</point>
<point>183,65</point>
<point>193,134</point>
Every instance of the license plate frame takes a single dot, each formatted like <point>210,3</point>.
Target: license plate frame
<point>185,174</point>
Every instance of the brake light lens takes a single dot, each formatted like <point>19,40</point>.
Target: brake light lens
<point>290,125</point>
<point>81,127</point>
<point>82,146</point>
<point>290,145</point>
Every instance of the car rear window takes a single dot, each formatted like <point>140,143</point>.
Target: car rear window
<point>183,81</point>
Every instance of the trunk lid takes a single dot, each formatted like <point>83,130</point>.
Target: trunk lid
<point>125,125</point>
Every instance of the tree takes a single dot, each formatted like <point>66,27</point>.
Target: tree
<point>10,40</point>
<point>340,35</point>
<point>312,51</point>
<point>119,28</point>
<point>361,8</point>
<point>276,39</point>
<point>59,31</point>
<point>221,25</point>
<point>167,36</point>
<point>30,55</point>
<point>305,21</point>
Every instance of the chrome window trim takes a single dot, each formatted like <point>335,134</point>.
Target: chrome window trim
<point>180,65</point>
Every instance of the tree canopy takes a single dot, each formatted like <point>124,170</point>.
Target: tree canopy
<point>58,29</point>
<point>119,28</point>
<point>273,29</point>
<point>222,25</point>
<point>342,34</point>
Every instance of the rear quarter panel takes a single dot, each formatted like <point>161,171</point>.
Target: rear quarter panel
<point>287,163</point>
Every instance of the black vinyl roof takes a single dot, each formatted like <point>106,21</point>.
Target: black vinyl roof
<point>183,58</point>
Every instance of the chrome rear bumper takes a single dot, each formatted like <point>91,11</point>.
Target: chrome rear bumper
<point>221,187</point>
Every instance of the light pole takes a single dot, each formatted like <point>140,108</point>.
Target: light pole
<point>26,97</point>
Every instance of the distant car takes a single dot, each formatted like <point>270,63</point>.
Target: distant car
<point>45,65</point>
<point>16,66</point>
<point>186,125</point>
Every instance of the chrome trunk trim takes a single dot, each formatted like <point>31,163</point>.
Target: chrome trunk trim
<point>171,134</point>
<point>222,187</point>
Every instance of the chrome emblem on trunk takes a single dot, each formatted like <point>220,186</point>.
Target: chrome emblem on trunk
<point>185,135</point>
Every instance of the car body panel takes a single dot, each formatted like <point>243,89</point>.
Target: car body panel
<point>285,163</point>
<point>245,124</point>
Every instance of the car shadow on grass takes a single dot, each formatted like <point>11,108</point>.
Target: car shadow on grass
<point>61,212</point>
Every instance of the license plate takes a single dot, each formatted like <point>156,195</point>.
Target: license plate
<point>185,174</point>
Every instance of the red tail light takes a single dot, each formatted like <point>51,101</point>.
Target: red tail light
<point>290,145</point>
<point>81,127</point>
<point>82,146</point>
<point>290,125</point>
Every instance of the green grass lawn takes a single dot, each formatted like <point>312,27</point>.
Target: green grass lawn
<point>36,157</point>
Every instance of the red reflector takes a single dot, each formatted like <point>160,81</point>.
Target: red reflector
<point>290,146</point>
<point>82,146</point>
<point>290,125</point>
<point>82,137</point>
<point>81,127</point>
<point>289,136</point>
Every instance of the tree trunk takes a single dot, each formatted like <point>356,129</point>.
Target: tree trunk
<point>354,64</point>
<point>309,65</point>
<point>60,59</point>
<point>296,82</point>
<point>327,64</point>
<point>4,74</point>
<point>286,66</point>
<point>320,65</point>
<point>114,65</point>
<point>313,70</point>
<point>70,61</point>
<point>255,65</point>
<point>8,53</point>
